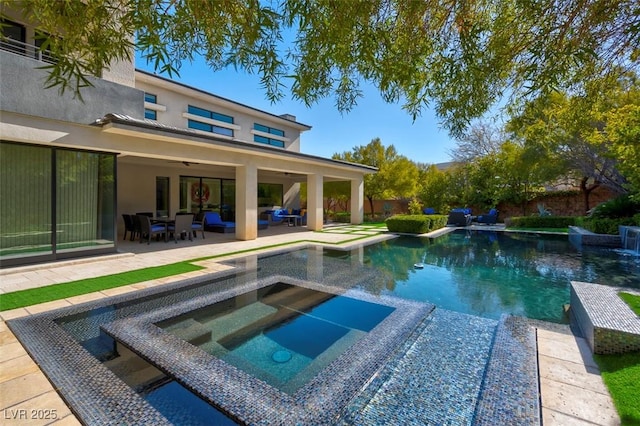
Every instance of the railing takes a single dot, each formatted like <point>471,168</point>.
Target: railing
<point>28,50</point>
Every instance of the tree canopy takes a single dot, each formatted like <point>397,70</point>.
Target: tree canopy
<point>458,56</point>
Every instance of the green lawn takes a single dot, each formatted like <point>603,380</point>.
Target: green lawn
<point>632,300</point>
<point>621,374</point>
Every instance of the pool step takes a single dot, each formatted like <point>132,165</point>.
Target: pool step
<point>436,380</point>
<point>510,393</point>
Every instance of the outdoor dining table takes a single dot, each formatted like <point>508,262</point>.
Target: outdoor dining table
<point>292,219</point>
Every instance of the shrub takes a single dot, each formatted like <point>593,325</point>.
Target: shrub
<point>415,224</point>
<point>541,222</point>
<point>607,225</point>
<point>622,206</point>
<point>342,217</point>
<point>414,207</point>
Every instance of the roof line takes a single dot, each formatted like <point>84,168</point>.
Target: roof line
<point>150,74</point>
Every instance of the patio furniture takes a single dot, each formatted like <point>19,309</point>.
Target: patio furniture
<point>213,222</point>
<point>488,218</point>
<point>459,217</point>
<point>148,230</point>
<point>198,224</point>
<point>128,227</point>
<point>182,225</point>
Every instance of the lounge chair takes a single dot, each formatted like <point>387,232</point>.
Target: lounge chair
<point>488,218</point>
<point>459,217</point>
<point>213,222</point>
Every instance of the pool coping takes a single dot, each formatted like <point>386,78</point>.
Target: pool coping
<point>251,401</point>
<point>101,398</point>
<point>607,322</point>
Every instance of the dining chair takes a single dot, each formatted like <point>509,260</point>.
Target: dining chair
<point>182,225</point>
<point>198,224</point>
<point>148,230</point>
<point>128,226</point>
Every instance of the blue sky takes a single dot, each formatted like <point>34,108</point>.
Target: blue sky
<point>421,141</point>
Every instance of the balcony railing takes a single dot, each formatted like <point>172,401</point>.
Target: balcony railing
<point>28,50</point>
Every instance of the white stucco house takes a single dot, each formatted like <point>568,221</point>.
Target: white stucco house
<point>138,142</point>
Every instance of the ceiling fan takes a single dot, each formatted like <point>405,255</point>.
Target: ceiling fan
<point>186,163</point>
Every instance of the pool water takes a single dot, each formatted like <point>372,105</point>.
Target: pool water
<point>488,274</point>
<point>282,333</point>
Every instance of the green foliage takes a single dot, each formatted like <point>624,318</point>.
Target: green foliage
<point>623,206</point>
<point>633,300</point>
<point>415,208</point>
<point>435,188</point>
<point>621,374</point>
<point>607,225</point>
<point>415,224</point>
<point>542,222</point>
<point>342,217</point>
<point>458,58</point>
<point>397,176</point>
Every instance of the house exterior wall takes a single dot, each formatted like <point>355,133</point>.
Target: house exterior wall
<point>176,99</point>
<point>23,92</point>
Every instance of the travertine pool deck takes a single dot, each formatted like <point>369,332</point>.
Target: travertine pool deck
<point>572,391</point>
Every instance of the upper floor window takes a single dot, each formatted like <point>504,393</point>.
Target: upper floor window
<point>15,36</point>
<point>152,99</point>
<point>261,138</point>
<point>214,122</point>
<point>148,112</point>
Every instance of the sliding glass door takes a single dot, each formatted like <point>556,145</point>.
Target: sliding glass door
<point>54,202</point>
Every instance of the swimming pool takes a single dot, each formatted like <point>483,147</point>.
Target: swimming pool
<point>115,355</point>
<point>494,273</point>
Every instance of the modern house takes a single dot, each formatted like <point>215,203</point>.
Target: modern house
<point>138,142</point>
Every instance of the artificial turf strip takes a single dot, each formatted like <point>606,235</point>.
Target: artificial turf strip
<point>632,300</point>
<point>621,374</point>
<point>22,298</point>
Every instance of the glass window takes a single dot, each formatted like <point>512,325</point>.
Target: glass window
<point>16,34</point>
<point>85,200</point>
<point>194,124</point>
<point>152,99</point>
<point>162,196</point>
<point>150,114</point>
<point>25,209</point>
<point>199,193</point>
<point>55,201</point>
<point>267,140</point>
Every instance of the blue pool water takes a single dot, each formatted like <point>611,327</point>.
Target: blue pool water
<point>282,334</point>
<point>492,273</point>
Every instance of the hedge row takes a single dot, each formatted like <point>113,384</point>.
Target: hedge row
<point>542,221</point>
<point>607,225</point>
<point>416,224</point>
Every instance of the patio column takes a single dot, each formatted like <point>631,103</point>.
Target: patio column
<point>357,200</point>
<point>315,208</point>
<point>247,202</point>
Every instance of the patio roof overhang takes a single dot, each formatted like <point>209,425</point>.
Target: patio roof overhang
<point>189,145</point>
